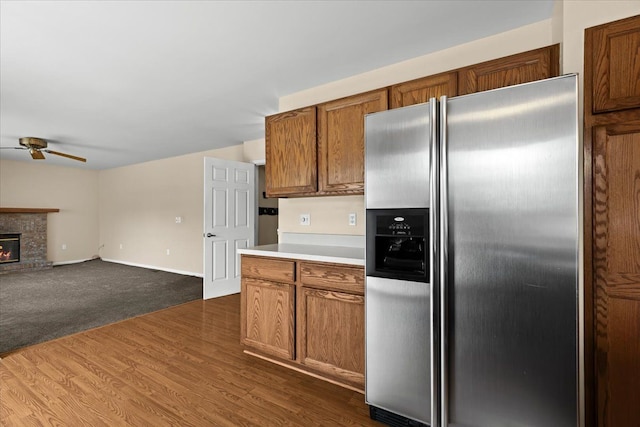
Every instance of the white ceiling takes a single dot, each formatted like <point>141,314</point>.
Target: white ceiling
<point>123,82</point>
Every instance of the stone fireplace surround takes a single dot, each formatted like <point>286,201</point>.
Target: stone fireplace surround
<point>32,223</point>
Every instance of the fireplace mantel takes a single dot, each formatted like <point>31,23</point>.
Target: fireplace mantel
<point>28,210</point>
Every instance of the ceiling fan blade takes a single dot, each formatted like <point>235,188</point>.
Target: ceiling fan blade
<point>36,154</point>
<point>69,156</point>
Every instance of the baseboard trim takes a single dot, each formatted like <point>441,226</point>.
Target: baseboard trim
<point>153,267</point>
<point>75,261</point>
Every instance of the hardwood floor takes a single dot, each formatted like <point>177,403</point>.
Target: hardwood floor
<point>180,366</point>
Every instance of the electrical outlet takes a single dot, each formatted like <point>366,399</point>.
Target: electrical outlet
<point>305,219</point>
<point>168,252</point>
<point>178,220</point>
<point>64,246</point>
<point>352,218</point>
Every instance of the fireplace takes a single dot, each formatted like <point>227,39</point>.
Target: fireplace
<point>30,224</point>
<point>9,247</point>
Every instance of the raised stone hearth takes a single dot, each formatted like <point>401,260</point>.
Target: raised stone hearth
<point>31,223</point>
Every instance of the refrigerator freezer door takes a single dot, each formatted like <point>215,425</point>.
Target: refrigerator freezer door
<point>512,274</point>
<point>397,347</point>
<point>397,158</point>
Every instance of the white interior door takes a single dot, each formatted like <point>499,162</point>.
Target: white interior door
<point>229,223</point>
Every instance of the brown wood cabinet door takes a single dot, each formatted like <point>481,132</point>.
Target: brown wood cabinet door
<point>341,141</point>
<point>421,90</point>
<point>332,334</point>
<point>511,70</point>
<point>616,64</point>
<point>268,317</point>
<point>616,263</point>
<point>291,153</point>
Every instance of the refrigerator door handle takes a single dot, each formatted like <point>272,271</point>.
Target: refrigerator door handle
<point>434,278</point>
<point>444,258</point>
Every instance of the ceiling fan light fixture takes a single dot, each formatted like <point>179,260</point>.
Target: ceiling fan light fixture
<point>36,154</point>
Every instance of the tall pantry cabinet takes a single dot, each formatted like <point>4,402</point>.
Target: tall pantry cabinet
<point>612,223</point>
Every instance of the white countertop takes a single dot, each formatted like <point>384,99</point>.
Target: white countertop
<point>334,254</point>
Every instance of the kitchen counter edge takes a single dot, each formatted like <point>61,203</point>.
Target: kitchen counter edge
<point>331,254</point>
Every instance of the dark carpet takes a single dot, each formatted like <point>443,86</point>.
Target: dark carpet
<point>41,305</point>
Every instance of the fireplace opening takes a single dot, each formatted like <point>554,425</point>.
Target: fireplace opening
<point>9,247</point>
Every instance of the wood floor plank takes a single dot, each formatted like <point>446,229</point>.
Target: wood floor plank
<point>180,366</point>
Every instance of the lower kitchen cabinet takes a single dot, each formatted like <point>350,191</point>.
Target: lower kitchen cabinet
<point>268,323</point>
<point>268,306</point>
<point>331,328</point>
<point>308,316</point>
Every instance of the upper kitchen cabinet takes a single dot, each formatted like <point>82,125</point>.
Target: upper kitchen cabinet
<point>319,150</point>
<point>291,153</point>
<point>341,141</point>
<point>615,59</point>
<point>421,90</point>
<point>511,70</point>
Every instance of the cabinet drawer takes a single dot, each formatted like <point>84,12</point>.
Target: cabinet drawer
<point>348,279</point>
<point>269,269</point>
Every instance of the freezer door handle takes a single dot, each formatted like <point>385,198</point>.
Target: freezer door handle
<point>444,258</point>
<point>434,279</point>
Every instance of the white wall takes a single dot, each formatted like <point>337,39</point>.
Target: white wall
<point>329,215</point>
<point>138,206</point>
<point>519,40</point>
<point>35,184</point>
<point>254,150</point>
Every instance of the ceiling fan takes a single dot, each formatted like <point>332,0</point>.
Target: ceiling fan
<point>37,146</point>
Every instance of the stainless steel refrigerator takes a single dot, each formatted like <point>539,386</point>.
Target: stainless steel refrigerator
<point>472,259</point>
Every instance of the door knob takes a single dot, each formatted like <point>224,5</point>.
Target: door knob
<point>211,235</point>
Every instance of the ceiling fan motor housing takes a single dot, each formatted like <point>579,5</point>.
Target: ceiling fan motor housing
<point>31,142</point>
